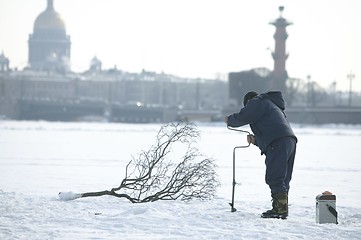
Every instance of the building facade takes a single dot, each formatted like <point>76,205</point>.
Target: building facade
<point>49,45</point>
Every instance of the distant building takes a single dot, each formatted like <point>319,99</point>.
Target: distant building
<point>95,65</point>
<point>4,63</point>
<point>240,83</point>
<point>49,45</point>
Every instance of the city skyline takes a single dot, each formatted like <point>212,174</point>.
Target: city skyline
<point>205,39</point>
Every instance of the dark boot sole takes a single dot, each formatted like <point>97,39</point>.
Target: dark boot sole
<point>277,216</point>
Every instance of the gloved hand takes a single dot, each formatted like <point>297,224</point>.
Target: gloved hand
<point>251,139</point>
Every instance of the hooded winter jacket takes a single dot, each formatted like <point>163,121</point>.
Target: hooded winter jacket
<point>265,115</point>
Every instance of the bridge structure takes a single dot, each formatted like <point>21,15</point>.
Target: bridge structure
<point>317,115</point>
<point>78,110</point>
<point>44,109</point>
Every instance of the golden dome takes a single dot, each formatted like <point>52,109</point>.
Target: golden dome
<point>49,20</point>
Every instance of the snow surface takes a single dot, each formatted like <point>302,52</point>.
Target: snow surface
<point>40,159</point>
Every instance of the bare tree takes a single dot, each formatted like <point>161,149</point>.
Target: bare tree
<point>156,175</point>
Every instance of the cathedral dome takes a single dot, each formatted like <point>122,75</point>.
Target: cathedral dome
<point>49,20</point>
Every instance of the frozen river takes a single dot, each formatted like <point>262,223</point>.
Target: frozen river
<point>39,159</point>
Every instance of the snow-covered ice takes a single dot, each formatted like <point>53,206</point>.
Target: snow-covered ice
<point>40,159</point>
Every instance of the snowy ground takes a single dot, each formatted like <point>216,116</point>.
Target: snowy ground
<point>40,159</point>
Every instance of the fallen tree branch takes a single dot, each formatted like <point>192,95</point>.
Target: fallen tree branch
<point>156,175</point>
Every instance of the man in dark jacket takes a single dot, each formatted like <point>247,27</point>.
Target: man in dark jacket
<point>275,138</point>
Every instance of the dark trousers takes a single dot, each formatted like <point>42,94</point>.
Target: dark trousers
<point>280,157</point>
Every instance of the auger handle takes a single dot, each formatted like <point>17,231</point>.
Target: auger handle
<point>233,209</point>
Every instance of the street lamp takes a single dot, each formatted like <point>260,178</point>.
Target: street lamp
<point>350,76</point>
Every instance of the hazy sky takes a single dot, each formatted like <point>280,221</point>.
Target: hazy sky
<point>198,38</point>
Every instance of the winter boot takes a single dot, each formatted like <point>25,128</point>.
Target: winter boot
<point>279,206</point>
